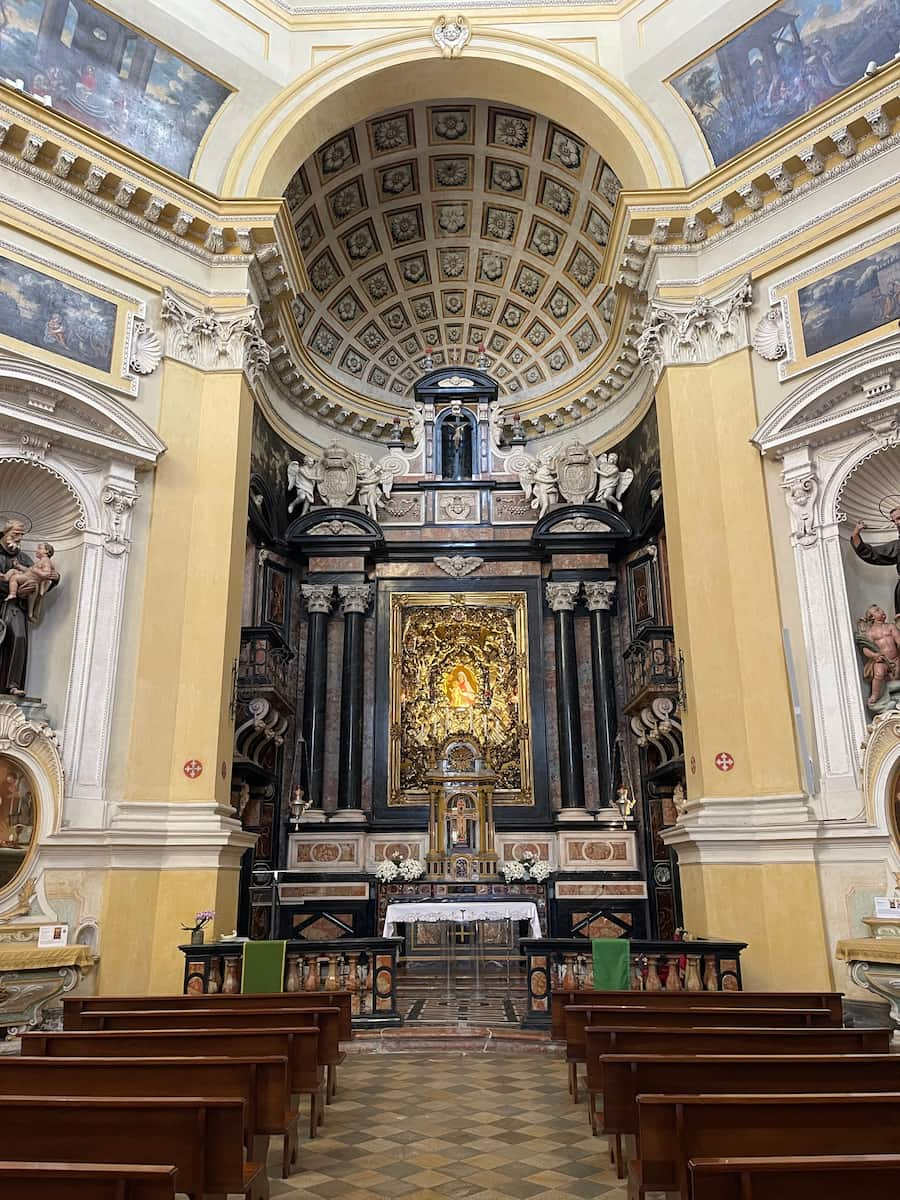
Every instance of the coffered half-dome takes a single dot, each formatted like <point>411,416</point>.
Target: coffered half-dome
<point>439,233</point>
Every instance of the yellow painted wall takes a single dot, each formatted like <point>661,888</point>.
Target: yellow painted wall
<point>775,907</point>
<point>142,917</point>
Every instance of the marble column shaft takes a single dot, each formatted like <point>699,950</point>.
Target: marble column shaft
<point>354,600</point>
<point>599,597</point>
<point>318,598</point>
<point>562,598</point>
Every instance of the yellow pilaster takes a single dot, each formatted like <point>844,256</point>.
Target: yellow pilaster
<point>190,639</point>
<point>729,629</point>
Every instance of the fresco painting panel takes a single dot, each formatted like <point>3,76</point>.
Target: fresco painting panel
<point>102,72</point>
<point>854,300</point>
<point>781,65</point>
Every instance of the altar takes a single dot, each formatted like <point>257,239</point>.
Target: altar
<point>461,912</point>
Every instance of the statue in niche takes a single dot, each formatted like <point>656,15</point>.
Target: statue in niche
<point>887,555</point>
<point>456,446</point>
<point>23,585</point>
<point>879,643</point>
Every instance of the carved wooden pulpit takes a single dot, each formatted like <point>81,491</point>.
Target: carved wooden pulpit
<point>461,814</point>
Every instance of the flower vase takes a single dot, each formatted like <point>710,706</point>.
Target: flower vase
<point>197,936</point>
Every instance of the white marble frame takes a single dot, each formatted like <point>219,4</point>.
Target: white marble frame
<point>95,447</point>
<point>822,432</point>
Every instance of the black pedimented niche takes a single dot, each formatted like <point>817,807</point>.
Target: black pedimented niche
<point>335,531</point>
<point>573,529</point>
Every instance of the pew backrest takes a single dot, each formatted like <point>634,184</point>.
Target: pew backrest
<point>263,1082</point>
<point>579,1018</point>
<point>807,1177</point>
<point>326,1020</point>
<point>87,1181</point>
<point>560,1000</point>
<point>202,1137</point>
<point>74,1006</point>
<point>674,1129</point>
<point>626,1076</point>
<point>298,1046</point>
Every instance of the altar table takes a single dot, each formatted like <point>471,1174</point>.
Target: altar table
<point>461,912</point>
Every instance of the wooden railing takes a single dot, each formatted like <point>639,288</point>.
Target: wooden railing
<point>365,967</point>
<point>564,964</point>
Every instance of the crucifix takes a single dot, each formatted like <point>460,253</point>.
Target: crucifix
<point>460,815</point>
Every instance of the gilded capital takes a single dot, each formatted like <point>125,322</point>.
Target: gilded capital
<point>319,597</point>
<point>214,339</point>
<point>562,597</point>
<point>599,595</point>
<point>354,597</point>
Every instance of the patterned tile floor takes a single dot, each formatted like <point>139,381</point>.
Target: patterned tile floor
<point>448,1126</point>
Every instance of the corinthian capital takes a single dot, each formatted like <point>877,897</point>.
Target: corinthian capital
<point>354,597</point>
<point>599,595</point>
<point>678,333</point>
<point>562,597</point>
<point>319,597</point>
<point>214,339</point>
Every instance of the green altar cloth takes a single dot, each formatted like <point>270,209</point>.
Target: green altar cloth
<point>612,964</point>
<point>263,969</point>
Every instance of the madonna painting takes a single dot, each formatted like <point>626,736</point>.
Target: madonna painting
<point>462,691</point>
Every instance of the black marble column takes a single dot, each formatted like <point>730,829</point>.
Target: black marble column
<point>354,600</point>
<point>319,598</point>
<point>599,597</point>
<point>562,598</point>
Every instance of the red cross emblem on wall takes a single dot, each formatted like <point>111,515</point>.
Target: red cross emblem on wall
<point>724,761</point>
<point>193,767</point>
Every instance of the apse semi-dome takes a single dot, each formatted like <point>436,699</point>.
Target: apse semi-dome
<point>448,228</point>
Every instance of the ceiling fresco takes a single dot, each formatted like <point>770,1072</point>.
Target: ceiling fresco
<point>449,227</point>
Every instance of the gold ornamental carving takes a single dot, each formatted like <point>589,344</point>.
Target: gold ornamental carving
<point>460,670</point>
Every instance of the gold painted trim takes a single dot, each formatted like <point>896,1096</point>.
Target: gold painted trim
<point>403,601</point>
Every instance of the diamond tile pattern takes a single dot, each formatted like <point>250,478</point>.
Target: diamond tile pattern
<point>467,194</point>
<point>448,1126</point>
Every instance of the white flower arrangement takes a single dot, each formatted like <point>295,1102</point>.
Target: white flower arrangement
<point>407,869</point>
<point>528,870</point>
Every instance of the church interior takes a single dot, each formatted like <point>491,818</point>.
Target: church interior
<point>449,599</point>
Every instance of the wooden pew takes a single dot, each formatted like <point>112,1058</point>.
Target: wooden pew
<point>560,1000</point>
<point>262,1083</point>
<point>74,1006</point>
<point>674,1129</point>
<point>580,1017</point>
<point>820,1177</point>
<point>298,1046</point>
<point>86,1181</point>
<point>327,1020</point>
<point>626,1076</point>
<point>203,1138</point>
<point>686,1043</point>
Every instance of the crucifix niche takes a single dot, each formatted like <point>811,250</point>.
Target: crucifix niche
<point>461,813</point>
<point>457,438</point>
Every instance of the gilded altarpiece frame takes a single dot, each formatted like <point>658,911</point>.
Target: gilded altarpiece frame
<point>459,668</point>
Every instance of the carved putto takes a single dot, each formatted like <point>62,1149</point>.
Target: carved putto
<point>451,36</point>
<point>339,477</point>
<point>878,640</point>
<point>573,472</point>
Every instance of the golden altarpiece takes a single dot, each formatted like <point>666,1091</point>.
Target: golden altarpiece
<point>461,815</point>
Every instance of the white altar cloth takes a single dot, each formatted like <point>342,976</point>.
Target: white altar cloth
<point>461,910</point>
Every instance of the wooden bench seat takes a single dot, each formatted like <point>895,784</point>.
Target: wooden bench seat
<point>74,1006</point>
<point>674,1129</point>
<point>86,1181</point>
<point>202,1137</point>
<point>298,1046</point>
<point>263,1083</point>
<point>579,1018</point>
<point>327,1020</point>
<point>560,1000</point>
<point>821,1177</point>
<point>626,1076</point>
